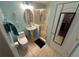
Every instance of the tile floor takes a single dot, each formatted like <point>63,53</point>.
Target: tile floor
<point>34,51</point>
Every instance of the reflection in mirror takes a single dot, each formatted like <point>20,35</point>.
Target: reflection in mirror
<point>63,26</point>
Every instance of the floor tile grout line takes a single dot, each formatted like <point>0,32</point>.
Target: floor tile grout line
<point>32,53</point>
<point>41,50</point>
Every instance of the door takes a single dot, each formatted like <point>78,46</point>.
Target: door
<point>7,47</point>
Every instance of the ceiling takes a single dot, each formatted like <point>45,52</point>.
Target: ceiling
<point>38,4</point>
<point>43,2</point>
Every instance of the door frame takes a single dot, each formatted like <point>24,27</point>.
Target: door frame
<point>11,45</point>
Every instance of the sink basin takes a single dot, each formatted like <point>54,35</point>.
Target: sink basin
<point>31,28</point>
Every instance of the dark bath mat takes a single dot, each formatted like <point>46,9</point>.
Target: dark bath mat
<point>40,42</point>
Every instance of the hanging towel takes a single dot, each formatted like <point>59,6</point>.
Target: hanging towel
<point>13,28</point>
<point>9,27</point>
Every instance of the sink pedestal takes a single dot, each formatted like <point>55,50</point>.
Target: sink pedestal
<point>32,30</point>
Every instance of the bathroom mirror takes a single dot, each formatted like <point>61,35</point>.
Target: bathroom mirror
<point>28,17</point>
<point>65,13</point>
<point>63,26</point>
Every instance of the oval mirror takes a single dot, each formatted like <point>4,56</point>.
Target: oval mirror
<point>28,17</point>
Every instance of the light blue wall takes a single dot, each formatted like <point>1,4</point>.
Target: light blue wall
<point>8,9</point>
<point>11,7</point>
<point>52,9</point>
<point>14,7</point>
<point>76,52</point>
<point>14,13</point>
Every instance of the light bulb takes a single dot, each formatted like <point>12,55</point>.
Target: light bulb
<point>24,6</point>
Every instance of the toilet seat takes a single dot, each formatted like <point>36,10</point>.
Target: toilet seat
<point>22,39</point>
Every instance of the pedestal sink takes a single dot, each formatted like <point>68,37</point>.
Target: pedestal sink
<point>30,28</point>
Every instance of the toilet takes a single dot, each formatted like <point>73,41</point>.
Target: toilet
<point>22,40</point>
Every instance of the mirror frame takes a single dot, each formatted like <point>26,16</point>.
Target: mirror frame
<point>28,16</point>
<point>59,20</point>
<point>60,26</point>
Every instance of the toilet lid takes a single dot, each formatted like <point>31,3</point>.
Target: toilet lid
<point>23,40</point>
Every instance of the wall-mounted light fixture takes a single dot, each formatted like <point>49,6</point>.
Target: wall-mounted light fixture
<point>27,6</point>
